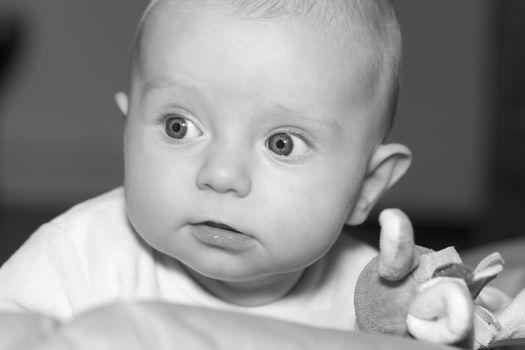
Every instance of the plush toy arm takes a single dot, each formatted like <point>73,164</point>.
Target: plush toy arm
<point>512,319</point>
<point>503,326</point>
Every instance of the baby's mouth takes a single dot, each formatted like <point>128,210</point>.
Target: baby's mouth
<point>222,236</point>
<point>219,225</point>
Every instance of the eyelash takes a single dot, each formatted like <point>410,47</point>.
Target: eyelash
<point>163,117</point>
<point>296,132</point>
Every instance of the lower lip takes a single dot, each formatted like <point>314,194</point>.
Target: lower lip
<point>221,238</point>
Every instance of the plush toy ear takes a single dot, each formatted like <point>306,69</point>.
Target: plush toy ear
<point>485,272</point>
<point>397,256</point>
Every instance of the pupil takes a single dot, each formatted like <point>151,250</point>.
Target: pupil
<point>176,127</point>
<point>281,144</point>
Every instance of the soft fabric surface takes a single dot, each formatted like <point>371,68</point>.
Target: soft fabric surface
<point>159,326</point>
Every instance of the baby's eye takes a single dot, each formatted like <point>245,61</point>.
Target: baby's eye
<point>179,127</point>
<point>287,145</point>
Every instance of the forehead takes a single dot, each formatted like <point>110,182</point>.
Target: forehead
<point>286,58</point>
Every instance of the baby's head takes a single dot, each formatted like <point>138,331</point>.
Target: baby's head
<point>367,29</point>
<point>255,130</point>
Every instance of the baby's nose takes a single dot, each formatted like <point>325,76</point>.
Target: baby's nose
<point>225,170</point>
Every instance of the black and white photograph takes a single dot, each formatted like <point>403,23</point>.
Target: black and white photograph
<point>262,174</point>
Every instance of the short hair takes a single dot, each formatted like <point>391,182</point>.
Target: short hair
<point>372,22</point>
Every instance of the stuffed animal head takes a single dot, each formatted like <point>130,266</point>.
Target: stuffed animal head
<point>412,291</point>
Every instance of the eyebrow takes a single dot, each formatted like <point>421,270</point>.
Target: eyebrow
<point>164,83</point>
<point>330,123</point>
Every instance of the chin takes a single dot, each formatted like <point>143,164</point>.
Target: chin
<point>219,270</point>
<point>226,275</point>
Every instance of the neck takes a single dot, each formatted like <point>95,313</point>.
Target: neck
<point>252,292</point>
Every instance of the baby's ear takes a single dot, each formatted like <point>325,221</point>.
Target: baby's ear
<point>122,102</point>
<point>388,164</point>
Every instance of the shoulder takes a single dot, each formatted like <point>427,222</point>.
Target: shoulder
<point>78,254</point>
<point>106,209</point>
<point>89,224</point>
<point>91,230</point>
<point>91,216</point>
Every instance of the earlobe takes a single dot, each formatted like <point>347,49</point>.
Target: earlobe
<point>388,164</point>
<point>122,102</point>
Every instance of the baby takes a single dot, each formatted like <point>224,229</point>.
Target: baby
<point>254,132</point>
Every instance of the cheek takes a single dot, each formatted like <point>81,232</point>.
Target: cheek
<point>327,194</point>
<point>311,208</point>
<point>154,185</point>
<point>151,167</point>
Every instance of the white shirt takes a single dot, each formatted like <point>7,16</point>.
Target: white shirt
<point>90,255</point>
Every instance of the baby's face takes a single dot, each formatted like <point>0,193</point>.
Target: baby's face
<point>246,142</point>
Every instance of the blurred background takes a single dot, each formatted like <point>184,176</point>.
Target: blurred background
<point>462,112</point>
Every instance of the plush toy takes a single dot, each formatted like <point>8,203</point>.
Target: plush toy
<point>412,291</point>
